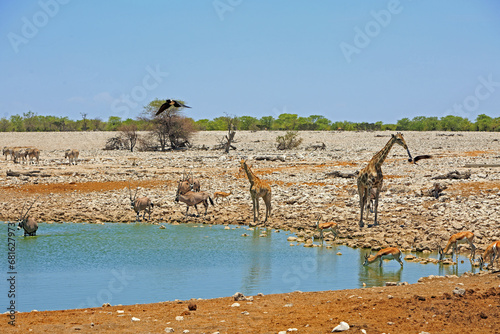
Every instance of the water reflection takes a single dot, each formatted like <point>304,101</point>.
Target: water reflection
<point>75,265</point>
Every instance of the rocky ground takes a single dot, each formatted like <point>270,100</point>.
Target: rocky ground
<point>305,182</point>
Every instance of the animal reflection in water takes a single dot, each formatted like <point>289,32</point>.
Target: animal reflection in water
<point>390,253</point>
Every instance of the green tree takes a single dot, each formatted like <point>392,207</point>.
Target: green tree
<point>113,123</point>
<point>267,122</point>
<point>248,123</point>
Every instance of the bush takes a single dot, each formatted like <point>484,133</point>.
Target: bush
<point>288,141</point>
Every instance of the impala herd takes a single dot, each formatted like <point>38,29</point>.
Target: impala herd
<point>189,192</point>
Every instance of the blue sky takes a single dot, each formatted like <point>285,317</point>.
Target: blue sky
<point>346,60</point>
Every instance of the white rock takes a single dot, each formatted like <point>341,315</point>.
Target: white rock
<point>169,330</point>
<point>343,326</point>
<point>236,305</point>
<point>179,318</point>
<point>135,319</point>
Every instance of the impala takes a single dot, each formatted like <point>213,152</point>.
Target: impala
<point>455,239</point>
<point>333,227</point>
<point>221,194</point>
<point>492,251</point>
<point>390,253</point>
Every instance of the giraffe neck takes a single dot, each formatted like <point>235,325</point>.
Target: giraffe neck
<point>379,158</point>
<point>251,176</point>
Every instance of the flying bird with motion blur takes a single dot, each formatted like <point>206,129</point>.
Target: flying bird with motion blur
<point>170,103</point>
<point>419,157</point>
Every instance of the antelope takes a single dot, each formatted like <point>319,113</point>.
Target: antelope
<point>29,224</point>
<point>33,153</point>
<point>333,227</point>
<point>455,239</point>
<point>492,251</point>
<point>192,198</point>
<point>194,183</point>
<point>72,155</point>
<point>221,194</point>
<point>391,253</point>
<point>140,204</point>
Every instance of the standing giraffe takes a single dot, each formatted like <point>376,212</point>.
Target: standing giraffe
<point>371,176</point>
<point>258,188</point>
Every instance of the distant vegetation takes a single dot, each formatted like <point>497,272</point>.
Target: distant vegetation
<point>290,122</point>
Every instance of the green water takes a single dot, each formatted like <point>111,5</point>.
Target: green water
<point>85,265</point>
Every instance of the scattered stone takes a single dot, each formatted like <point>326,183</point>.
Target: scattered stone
<point>390,296</point>
<point>179,318</point>
<point>192,307</point>
<point>236,305</point>
<point>106,305</point>
<point>343,326</point>
<point>459,291</point>
<point>288,305</point>
<point>169,330</point>
<point>245,313</point>
<point>135,319</point>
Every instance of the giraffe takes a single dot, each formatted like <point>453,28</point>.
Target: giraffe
<point>258,188</point>
<point>371,176</point>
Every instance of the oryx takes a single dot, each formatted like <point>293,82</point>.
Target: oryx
<point>140,204</point>
<point>29,224</point>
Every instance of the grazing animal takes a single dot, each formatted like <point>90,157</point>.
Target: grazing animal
<point>33,153</point>
<point>491,253</point>
<point>371,176</point>
<point>170,103</point>
<point>8,151</point>
<point>72,155</point>
<point>331,226</point>
<point>391,253</point>
<point>455,239</point>
<point>140,204</point>
<point>19,154</point>
<point>28,224</point>
<point>192,198</point>
<point>258,188</point>
<point>221,194</point>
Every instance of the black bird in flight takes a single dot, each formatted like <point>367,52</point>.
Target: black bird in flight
<point>170,103</point>
<point>419,157</point>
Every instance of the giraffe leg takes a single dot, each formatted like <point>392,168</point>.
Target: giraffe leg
<point>362,201</point>
<point>377,192</point>
<point>254,207</point>
<point>267,201</point>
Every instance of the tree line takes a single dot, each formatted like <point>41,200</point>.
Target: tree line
<point>291,122</point>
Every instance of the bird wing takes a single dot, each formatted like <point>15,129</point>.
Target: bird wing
<point>179,104</point>
<point>420,157</point>
<point>163,107</point>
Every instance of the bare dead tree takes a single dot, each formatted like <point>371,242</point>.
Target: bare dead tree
<point>129,133</point>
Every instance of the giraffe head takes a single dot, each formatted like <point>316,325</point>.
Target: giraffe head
<point>398,137</point>
<point>241,170</point>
